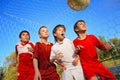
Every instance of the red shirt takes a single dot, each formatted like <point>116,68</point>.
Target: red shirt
<point>89,59</point>
<point>88,54</point>
<point>25,67</point>
<point>42,53</point>
<point>25,56</point>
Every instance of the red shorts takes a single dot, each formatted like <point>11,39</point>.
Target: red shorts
<point>100,70</point>
<point>26,75</point>
<point>51,76</point>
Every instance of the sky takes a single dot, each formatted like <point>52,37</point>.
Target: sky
<point>101,16</point>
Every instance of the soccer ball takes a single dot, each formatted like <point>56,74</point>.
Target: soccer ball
<point>78,4</point>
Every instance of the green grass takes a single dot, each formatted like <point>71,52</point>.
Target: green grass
<point>111,62</point>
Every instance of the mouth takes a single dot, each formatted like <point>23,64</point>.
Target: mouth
<point>62,34</point>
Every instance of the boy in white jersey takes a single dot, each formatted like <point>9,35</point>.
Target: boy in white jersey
<point>71,67</point>
<point>24,51</point>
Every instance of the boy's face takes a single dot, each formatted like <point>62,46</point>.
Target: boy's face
<point>60,33</point>
<point>81,26</point>
<point>44,33</point>
<point>24,37</point>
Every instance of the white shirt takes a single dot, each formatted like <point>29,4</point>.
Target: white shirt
<point>67,49</point>
<point>24,48</point>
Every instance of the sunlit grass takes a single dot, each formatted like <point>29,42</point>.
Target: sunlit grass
<point>111,63</point>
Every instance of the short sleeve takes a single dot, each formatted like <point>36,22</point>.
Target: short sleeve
<point>97,42</point>
<point>32,44</point>
<point>36,51</point>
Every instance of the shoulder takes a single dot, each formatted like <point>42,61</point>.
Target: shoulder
<point>17,44</point>
<point>37,43</point>
<point>66,39</point>
<point>91,35</point>
<point>75,40</point>
<point>50,43</point>
<point>55,46</point>
<point>31,43</point>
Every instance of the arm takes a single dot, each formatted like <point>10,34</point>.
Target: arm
<point>77,49</point>
<point>107,46</point>
<point>61,65</point>
<point>31,49</point>
<point>37,75</point>
<point>56,57</point>
<point>76,60</point>
<point>100,44</point>
<point>15,57</point>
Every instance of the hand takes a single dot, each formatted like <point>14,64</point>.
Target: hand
<point>30,49</point>
<point>108,46</point>
<point>77,49</point>
<point>76,60</point>
<point>58,56</point>
<point>63,67</point>
<point>37,76</point>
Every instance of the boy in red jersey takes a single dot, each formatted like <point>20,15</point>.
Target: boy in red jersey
<point>88,54</point>
<point>24,51</point>
<point>44,69</point>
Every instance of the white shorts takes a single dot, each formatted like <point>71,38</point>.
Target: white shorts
<point>73,74</point>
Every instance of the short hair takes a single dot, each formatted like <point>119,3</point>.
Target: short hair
<point>75,25</point>
<point>24,31</point>
<point>55,29</point>
<point>41,28</point>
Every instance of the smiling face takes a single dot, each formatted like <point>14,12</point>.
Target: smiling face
<point>59,33</point>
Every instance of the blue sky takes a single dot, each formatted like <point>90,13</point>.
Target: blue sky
<point>102,18</point>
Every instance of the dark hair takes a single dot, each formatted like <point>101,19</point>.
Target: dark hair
<point>55,29</point>
<point>41,28</point>
<point>75,25</point>
<point>24,31</point>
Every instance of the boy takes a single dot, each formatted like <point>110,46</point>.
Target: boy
<point>24,51</point>
<point>44,69</point>
<point>70,63</point>
<point>88,55</point>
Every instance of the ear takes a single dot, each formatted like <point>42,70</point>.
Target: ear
<point>76,30</point>
<point>54,34</point>
<point>39,35</point>
<point>20,39</point>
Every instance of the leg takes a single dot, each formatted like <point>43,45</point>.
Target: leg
<point>66,75</point>
<point>105,74</point>
<point>93,78</point>
<point>102,78</point>
<point>78,74</point>
<point>54,76</point>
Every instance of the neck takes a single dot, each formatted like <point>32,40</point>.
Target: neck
<point>44,40</point>
<point>24,42</point>
<point>82,36</point>
<point>60,41</point>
